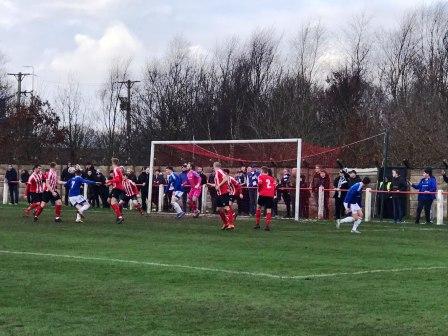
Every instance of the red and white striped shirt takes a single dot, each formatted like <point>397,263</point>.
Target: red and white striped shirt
<point>36,183</point>
<point>235,187</point>
<point>52,180</point>
<point>219,177</point>
<point>130,188</point>
<point>117,181</point>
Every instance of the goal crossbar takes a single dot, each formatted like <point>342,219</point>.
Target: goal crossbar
<point>297,141</point>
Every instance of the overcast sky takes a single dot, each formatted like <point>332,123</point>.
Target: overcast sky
<point>81,37</point>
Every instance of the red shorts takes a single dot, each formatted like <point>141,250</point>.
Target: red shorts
<point>194,192</point>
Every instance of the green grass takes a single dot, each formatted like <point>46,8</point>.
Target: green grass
<point>51,295</point>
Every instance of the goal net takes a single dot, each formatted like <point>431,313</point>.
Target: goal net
<point>277,154</point>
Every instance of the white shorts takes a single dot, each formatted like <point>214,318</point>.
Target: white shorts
<point>353,207</point>
<point>74,200</point>
<point>177,194</point>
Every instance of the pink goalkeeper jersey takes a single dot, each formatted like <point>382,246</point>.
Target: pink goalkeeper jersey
<point>193,178</point>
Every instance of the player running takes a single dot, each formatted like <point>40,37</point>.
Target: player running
<point>51,192</point>
<point>117,193</point>
<point>75,196</point>
<point>266,193</point>
<point>223,199</point>
<point>131,193</point>
<point>35,188</point>
<point>236,191</point>
<point>194,181</point>
<point>175,185</point>
<point>352,203</point>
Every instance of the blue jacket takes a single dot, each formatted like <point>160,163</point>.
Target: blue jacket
<point>174,183</point>
<point>354,194</point>
<point>75,184</point>
<point>425,185</point>
<point>252,178</point>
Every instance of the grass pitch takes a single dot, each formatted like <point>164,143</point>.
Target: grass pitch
<point>159,276</point>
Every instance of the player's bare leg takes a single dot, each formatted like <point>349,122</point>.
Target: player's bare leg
<point>194,207</point>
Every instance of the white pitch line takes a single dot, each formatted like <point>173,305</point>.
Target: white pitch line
<point>218,270</point>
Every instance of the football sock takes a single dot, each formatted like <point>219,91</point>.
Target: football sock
<point>117,210</point>
<point>356,224</point>
<point>347,220</point>
<point>223,216</point>
<point>177,207</point>
<point>84,207</point>
<point>230,216</point>
<point>258,216</point>
<point>268,218</point>
<point>39,210</point>
<point>57,210</point>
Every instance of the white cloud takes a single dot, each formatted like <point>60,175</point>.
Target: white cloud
<point>92,57</point>
<point>8,14</point>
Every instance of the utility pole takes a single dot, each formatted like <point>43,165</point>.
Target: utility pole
<point>126,105</point>
<point>19,76</point>
<point>385,163</point>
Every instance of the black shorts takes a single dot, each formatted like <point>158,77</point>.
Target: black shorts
<point>223,200</point>
<point>117,194</point>
<point>35,197</point>
<point>47,197</point>
<point>129,198</point>
<point>266,202</point>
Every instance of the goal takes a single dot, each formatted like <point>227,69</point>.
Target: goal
<point>233,154</point>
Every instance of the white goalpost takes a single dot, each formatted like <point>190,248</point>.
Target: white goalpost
<point>295,141</point>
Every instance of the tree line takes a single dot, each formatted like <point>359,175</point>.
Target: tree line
<point>267,86</point>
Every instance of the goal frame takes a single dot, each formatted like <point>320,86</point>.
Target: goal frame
<point>297,141</point>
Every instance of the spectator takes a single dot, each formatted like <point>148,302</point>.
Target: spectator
<point>12,178</point>
<point>252,185</point>
<point>65,176</point>
<point>398,184</point>
<point>143,181</point>
<point>243,203</point>
<point>103,189</point>
<point>305,194</point>
<point>384,199</point>
<point>340,185</point>
<point>315,184</point>
<point>351,177</point>
<point>285,193</point>
<point>24,176</point>
<point>426,186</point>
<point>184,180</point>
<point>92,190</point>
<point>200,171</point>
<point>131,175</point>
<point>324,181</point>
<point>157,180</point>
<point>212,191</point>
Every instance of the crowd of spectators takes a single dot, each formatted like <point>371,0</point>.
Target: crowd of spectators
<point>389,201</point>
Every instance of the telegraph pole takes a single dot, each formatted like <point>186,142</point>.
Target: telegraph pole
<point>126,105</point>
<point>19,76</point>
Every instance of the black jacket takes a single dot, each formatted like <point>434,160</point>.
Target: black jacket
<point>351,181</point>
<point>398,184</point>
<point>143,178</point>
<point>11,175</point>
<point>24,176</point>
